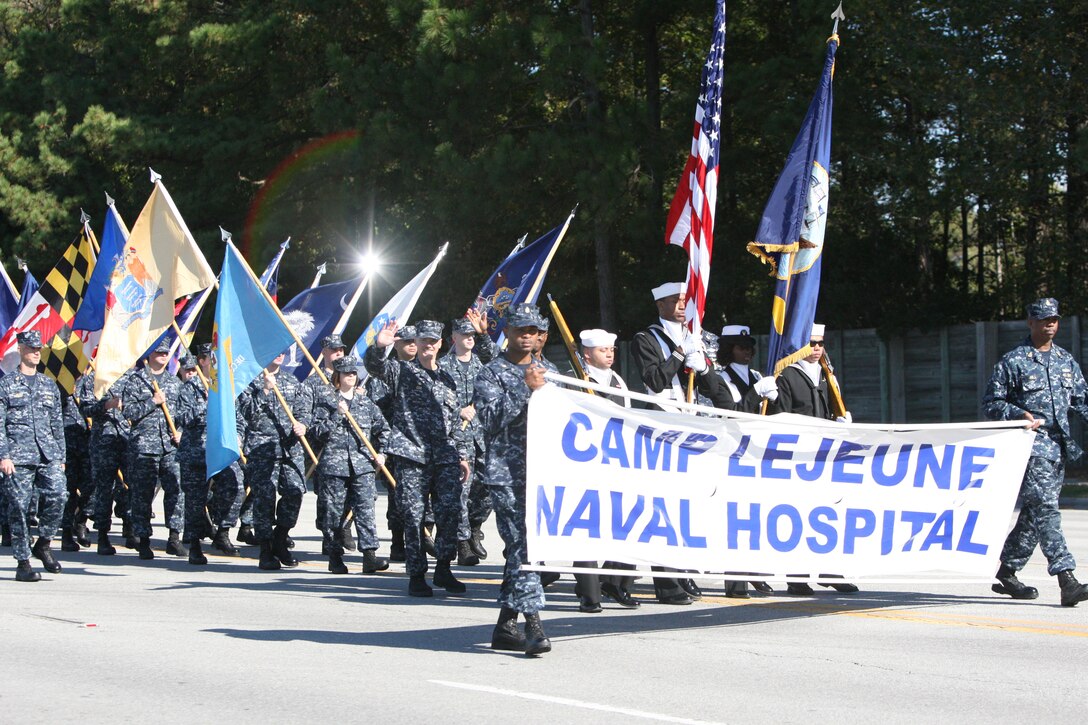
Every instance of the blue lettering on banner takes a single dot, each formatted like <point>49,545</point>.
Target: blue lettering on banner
<point>734,524</point>
<point>773,453</point>
<point>941,472</point>
<point>736,468</point>
<point>571,451</point>
<point>587,515</point>
<point>621,526</point>
<point>969,466</point>
<point>819,520</point>
<point>902,461</point>
<point>612,443</point>
<point>653,450</point>
<point>773,517</point>
<point>693,445</point>
<point>659,525</point>
<point>916,519</point>
<point>547,511</point>
<point>844,457</point>
<point>859,523</point>
<point>806,473</point>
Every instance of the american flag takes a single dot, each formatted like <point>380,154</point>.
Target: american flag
<point>691,217</point>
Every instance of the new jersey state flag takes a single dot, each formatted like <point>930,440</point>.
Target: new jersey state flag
<point>161,263</point>
<point>248,334</point>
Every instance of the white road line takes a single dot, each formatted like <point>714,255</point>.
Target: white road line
<point>573,703</point>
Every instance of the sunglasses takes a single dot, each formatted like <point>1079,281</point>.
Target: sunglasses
<point>816,343</point>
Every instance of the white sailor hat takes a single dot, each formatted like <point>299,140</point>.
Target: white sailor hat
<point>817,330</point>
<point>736,331</point>
<point>597,338</point>
<point>669,289</point>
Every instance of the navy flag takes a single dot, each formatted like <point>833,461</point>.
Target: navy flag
<point>791,233</point>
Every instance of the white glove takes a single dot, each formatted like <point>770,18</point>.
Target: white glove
<point>690,346</point>
<point>696,361</point>
<point>845,418</point>
<point>767,387</point>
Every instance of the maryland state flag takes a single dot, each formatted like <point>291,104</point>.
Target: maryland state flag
<point>51,310</point>
<point>791,232</point>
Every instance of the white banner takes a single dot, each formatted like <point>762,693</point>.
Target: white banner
<point>777,495</point>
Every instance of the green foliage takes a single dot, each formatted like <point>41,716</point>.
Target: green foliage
<point>960,157</point>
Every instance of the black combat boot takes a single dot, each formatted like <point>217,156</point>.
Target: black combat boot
<point>174,545</point>
<point>126,531</point>
<point>506,635</point>
<point>1072,590</point>
<point>196,555</point>
<point>347,538</point>
<point>371,562</point>
<point>143,548</point>
<point>396,547</point>
<point>476,541</point>
<point>245,535</point>
<point>1007,583</point>
<point>444,578</point>
<point>268,560</point>
<point>221,541</point>
<point>23,572</point>
<point>536,642</point>
<point>336,563</point>
<point>42,551</point>
<point>417,587</point>
<point>428,541</point>
<point>465,555</point>
<point>105,548</point>
<point>79,533</point>
<point>280,549</point>
<point>67,543</point>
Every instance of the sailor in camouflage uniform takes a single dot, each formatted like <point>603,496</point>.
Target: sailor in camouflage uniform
<point>346,470</point>
<point>152,450</point>
<point>108,443</point>
<point>313,389</point>
<point>501,399</point>
<point>472,348</point>
<point>31,456</point>
<point>405,348</point>
<point>1040,382</point>
<point>275,462</point>
<point>205,498</point>
<point>429,445</point>
<point>77,472</point>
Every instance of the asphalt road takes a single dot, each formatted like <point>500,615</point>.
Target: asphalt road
<point>114,639</point>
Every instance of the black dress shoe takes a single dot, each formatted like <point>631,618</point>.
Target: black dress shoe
<point>681,598</point>
<point>800,589</point>
<point>763,587</point>
<point>689,586</point>
<point>737,590</point>
<point>588,606</point>
<point>547,578</point>
<point>620,596</point>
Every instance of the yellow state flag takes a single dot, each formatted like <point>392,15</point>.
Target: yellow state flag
<point>161,263</point>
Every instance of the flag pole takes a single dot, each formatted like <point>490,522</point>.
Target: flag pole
<point>838,407</point>
<point>568,340</point>
<point>306,352</point>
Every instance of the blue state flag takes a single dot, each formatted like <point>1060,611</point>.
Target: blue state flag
<point>270,278</point>
<point>791,233</point>
<point>248,334</point>
<point>313,314</point>
<point>518,279</point>
<point>91,314</point>
<point>9,300</point>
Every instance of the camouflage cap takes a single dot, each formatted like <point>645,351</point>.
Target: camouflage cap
<point>524,315</point>
<point>429,329</point>
<point>164,345</point>
<point>545,323</point>
<point>204,349</point>
<point>346,364</point>
<point>30,338</point>
<point>408,332</point>
<point>188,362</point>
<point>1043,308</point>
<point>333,342</point>
<point>463,326</point>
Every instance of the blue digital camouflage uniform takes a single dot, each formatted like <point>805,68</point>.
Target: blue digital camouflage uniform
<point>152,454</point>
<point>427,440</point>
<point>275,455</point>
<point>346,470</point>
<point>221,493</point>
<point>32,437</point>
<point>502,402</point>
<point>475,500</point>
<point>311,390</point>
<point>1025,381</point>
<point>77,469</point>
<point>108,444</point>
<point>380,394</point>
